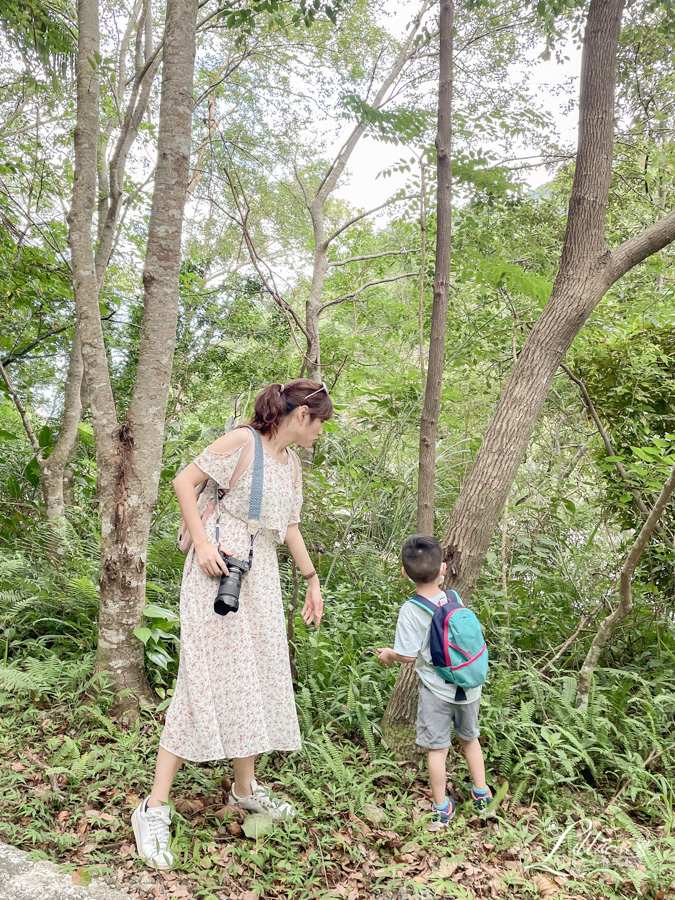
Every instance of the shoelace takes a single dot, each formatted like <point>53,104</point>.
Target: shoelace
<point>264,795</point>
<point>159,829</point>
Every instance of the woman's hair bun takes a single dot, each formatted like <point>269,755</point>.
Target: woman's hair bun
<point>278,400</point>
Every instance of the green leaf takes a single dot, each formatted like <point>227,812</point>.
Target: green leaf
<point>257,825</point>
<point>45,437</point>
<point>143,634</point>
<point>81,877</point>
<point>159,612</point>
<point>8,436</point>
<point>86,433</point>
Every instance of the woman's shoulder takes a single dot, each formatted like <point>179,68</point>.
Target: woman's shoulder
<point>295,464</point>
<point>228,443</point>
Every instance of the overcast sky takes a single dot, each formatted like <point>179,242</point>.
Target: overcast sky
<point>554,84</point>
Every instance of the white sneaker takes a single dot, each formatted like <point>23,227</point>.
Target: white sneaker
<point>261,800</point>
<point>152,830</point>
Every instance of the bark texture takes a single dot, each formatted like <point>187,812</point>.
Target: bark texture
<point>128,499</point>
<point>398,722</point>
<point>623,608</point>
<point>439,315</point>
<point>587,270</point>
<point>129,454</point>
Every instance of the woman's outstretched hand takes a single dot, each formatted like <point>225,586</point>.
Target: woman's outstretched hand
<point>210,560</point>
<point>313,608</point>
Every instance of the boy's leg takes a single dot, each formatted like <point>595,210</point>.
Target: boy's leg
<point>473,754</point>
<point>437,775</point>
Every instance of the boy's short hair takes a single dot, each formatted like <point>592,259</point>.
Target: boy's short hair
<point>422,558</point>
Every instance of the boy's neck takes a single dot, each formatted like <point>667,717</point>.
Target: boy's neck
<point>430,590</point>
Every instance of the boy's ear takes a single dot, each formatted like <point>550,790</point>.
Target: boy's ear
<point>444,566</point>
<point>405,574</point>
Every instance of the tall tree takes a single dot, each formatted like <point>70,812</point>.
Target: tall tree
<point>439,314</point>
<point>588,268</point>
<point>129,453</point>
<point>401,708</point>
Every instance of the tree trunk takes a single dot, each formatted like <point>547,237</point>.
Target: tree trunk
<point>623,608</point>
<point>439,315</point>
<point>322,241</point>
<point>129,455</point>
<point>587,270</point>
<point>398,722</point>
<point>53,468</point>
<point>128,499</point>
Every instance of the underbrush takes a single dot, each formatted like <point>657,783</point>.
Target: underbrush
<point>586,797</point>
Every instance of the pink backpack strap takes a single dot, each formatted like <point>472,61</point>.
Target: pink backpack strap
<point>295,465</point>
<point>245,457</point>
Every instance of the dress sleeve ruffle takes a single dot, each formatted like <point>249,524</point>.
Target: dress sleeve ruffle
<point>219,466</point>
<point>296,503</point>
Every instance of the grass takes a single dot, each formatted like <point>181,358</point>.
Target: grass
<point>71,777</point>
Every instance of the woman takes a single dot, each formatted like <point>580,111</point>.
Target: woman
<point>234,696</point>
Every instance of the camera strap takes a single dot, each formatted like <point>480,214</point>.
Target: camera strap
<point>255,502</point>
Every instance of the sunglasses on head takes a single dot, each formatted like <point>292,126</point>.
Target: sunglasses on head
<point>318,391</point>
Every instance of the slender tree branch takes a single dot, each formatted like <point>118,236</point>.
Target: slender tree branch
<point>32,437</point>
<point>352,259</point>
<point>618,465</point>
<point>363,215</point>
<point>352,294</point>
<point>638,248</point>
<point>8,360</point>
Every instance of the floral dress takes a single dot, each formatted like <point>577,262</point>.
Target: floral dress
<point>234,694</point>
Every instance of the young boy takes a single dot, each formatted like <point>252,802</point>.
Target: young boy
<point>441,704</point>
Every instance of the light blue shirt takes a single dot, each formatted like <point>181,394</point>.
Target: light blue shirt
<point>412,639</point>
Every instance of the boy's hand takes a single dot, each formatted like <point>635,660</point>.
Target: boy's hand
<point>385,655</point>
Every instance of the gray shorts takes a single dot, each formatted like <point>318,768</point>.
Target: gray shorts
<point>436,719</point>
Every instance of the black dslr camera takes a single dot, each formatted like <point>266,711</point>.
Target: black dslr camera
<point>227,598</point>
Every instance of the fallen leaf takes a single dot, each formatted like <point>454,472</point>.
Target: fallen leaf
<point>230,812</point>
<point>445,869</point>
<point>250,895</point>
<point>545,887</point>
<point>257,825</point>
<point>188,807</point>
<point>420,879</point>
<point>81,877</point>
<point>373,813</point>
<point>97,814</point>
<point>365,830</point>
<point>391,837</point>
<point>235,829</point>
<point>18,767</point>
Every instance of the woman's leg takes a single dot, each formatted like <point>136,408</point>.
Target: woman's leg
<point>165,771</point>
<point>244,772</point>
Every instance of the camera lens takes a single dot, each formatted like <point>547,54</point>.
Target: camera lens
<point>227,598</point>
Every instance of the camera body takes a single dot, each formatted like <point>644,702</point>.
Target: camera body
<point>227,598</point>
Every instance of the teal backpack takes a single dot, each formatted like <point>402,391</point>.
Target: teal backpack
<point>458,649</point>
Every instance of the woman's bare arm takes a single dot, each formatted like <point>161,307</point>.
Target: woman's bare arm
<point>184,485</point>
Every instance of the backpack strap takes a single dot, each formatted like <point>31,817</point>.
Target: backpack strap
<point>424,603</point>
<point>295,464</point>
<point>453,597</point>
